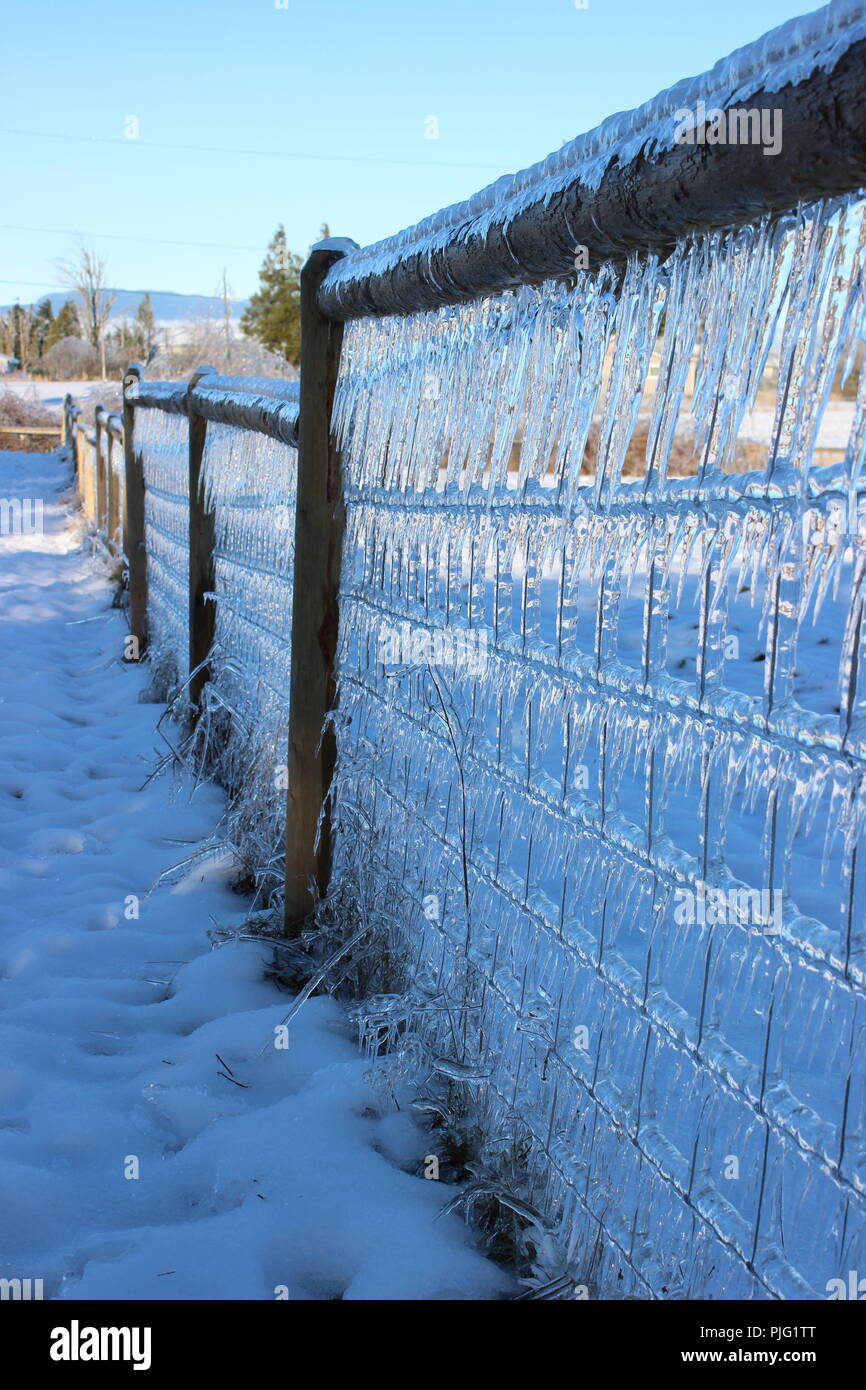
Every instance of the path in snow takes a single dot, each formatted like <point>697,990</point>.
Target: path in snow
<point>110,1027</point>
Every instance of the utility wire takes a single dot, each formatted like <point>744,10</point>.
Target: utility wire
<point>257,154</point>
<point>119,236</point>
<point>71,293</point>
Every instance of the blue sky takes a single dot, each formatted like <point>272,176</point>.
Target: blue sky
<point>350,86</point>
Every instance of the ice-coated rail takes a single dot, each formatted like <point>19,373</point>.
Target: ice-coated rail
<point>630,186</point>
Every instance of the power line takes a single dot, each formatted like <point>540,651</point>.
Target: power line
<point>118,236</point>
<point>258,154</point>
<point>36,285</point>
<point>70,293</point>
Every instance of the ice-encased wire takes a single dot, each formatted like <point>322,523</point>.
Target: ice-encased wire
<point>249,482</point>
<point>162,440</point>
<point>241,734</point>
<point>581,715</point>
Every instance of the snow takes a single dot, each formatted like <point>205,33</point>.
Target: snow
<point>260,1169</point>
<point>87,394</point>
<point>833,433</point>
<point>344,245</point>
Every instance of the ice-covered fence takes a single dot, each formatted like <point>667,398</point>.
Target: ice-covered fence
<point>601,739</point>
<point>110,430</point>
<point>160,439</point>
<point>600,708</point>
<point>250,487</point>
<point>243,453</point>
<point>99,464</point>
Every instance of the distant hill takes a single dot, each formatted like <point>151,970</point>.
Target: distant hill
<point>168,307</point>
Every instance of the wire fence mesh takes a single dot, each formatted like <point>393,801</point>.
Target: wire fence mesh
<point>601,730</point>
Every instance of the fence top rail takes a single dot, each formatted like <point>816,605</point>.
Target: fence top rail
<point>281,389</point>
<point>170,396</point>
<point>264,405</point>
<point>644,178</point>
<point>31,429</point>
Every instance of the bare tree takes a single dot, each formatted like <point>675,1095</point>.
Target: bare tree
<point>84,271</point>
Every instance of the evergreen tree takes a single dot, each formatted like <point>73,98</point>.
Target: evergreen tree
<point>22,328</point>
<point>65,324</point>
<point>273,315</point>
<point>43,317</point>
<point>145,325</point>
<point>126,339</point>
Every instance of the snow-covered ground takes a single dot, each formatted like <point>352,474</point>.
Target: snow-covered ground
<point>155,1143</point>
<point>833,432</point>
<point>88,394</point>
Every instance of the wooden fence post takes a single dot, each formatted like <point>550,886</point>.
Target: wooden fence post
<point>100,477</point>
<point>84,480</point>
<point>112,442</point>
<point>89,438</point>
<point>133,516</point>
<point>319,519</point>
<point>202,613</point>
<point>77,436</point>
<point>70,421</point>
<point>89,471</point>
<point>67,420</point>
